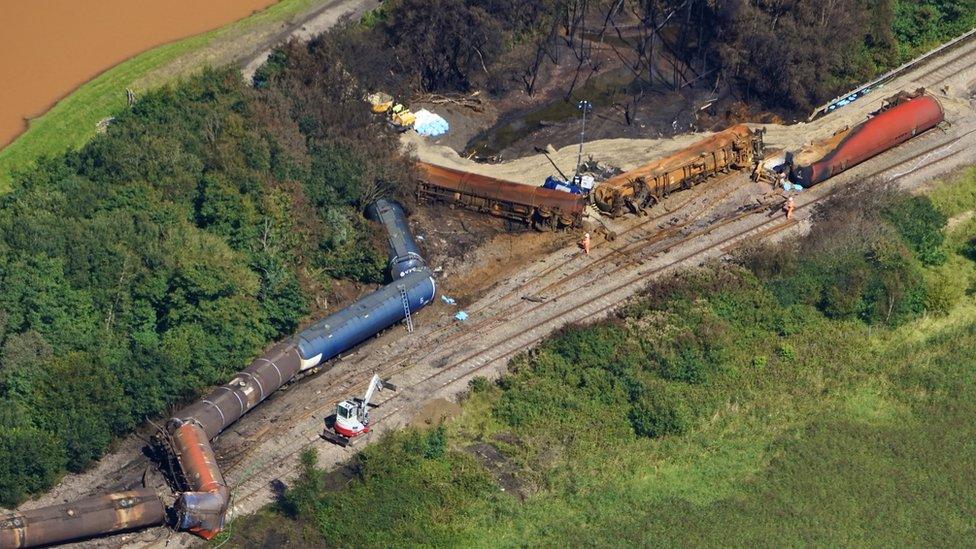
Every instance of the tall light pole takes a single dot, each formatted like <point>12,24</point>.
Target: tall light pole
<point>583,106</point>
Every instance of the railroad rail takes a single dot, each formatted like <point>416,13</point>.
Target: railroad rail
<point>606,299</point>
<point>904,68</point>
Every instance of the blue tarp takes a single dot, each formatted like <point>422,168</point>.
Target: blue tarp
<point>557,184</point>
<point>429,124</point>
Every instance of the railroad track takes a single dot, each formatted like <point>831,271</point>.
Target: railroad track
<point>353,380</point>
<point>960,59</point>
<point>348,382</point>
<point>464,365</point>
<point>608,298</point>
<point>643,242</point>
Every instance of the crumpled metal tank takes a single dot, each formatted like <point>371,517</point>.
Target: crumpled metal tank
<point>874,136</point>
<point>201,510</point>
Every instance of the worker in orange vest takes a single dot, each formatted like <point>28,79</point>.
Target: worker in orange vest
<point>790,206</point>
<point>586,243</point>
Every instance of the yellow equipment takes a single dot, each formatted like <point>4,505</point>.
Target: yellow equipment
<point>379,102</point>
<point>401,117</point>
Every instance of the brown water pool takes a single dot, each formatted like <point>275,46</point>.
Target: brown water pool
<point>50,47</point>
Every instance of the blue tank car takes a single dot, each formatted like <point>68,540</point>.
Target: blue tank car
<point>404,254</point>
<point>365,318</point>
<point>412,288</point>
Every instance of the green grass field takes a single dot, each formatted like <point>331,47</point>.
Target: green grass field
<point>71,122</point>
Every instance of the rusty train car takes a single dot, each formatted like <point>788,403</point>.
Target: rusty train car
<point>903,117</point>
<point>99,515</point>
<point>736,148</point>
<point>536,206</point>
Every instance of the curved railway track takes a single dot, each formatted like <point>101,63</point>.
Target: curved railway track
<point>462,365</point>
<point>349,381</point>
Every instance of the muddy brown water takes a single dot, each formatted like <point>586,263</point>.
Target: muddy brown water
<point>50,47</point>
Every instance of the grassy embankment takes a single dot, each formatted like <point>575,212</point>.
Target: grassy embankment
<point>800,400</point>
<point>71,122</point>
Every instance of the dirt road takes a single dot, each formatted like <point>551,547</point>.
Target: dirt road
<point>251,49</point>
<point>312,24</point>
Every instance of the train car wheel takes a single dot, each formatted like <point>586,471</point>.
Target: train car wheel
<point>542,222</point>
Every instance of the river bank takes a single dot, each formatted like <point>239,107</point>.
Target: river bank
<point>71,122</point>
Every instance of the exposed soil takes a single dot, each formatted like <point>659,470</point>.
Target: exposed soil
<point>434,413</point>
<point>49,48</point>
<point>500,467</point>
<point>470,252</point>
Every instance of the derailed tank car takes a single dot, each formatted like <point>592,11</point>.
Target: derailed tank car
<point>736,148</point>
<point>202,507</point>
<point>904,117</point>
<point>536,206</point>
<point>99,515</point>
<point>201,510</point>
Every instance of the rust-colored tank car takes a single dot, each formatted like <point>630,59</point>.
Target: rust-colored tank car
<point>891,127</point>
<point>542,208</point>
<point>106,514</point>
<point>733,149</point>
<point>202,509</point>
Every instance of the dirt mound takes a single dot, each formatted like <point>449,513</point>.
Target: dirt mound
<point>435,412</point>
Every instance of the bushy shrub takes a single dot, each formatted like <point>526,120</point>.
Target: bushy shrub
<point>787,352</point>
<point>33,460</point>
<point>479,384</point>
<point>920,225</point>
<point>943,290</point>
<point>659,412</point>
<point>412,485</point>
<point>858,260</point>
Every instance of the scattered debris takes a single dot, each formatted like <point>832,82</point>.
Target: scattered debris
<point>448,300</point>
<point>103,124</point>
<point>461,316</point>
